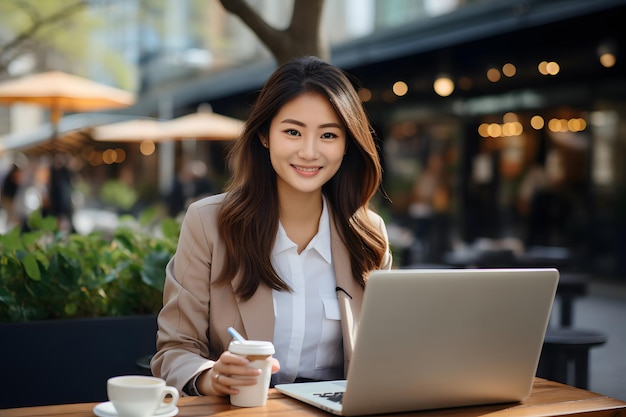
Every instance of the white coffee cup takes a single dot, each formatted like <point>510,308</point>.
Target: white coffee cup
<point>259,353</point>
<point>140,395</point>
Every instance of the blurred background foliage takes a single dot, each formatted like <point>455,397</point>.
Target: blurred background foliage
<point>47,274</point>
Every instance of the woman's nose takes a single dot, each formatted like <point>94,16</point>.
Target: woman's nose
<point>309,149</point>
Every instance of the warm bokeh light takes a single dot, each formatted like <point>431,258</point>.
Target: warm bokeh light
<point>400,88</point>
<point>512,129</point>
<point>510,117</point>
<point>608,60</point>
<point>493,75</point>
<point>537,122</point>
<point>509,70</point>
<point>607,53</point>
<point>548,68</point>
<point>147,147</point>
<point>94,158</point>
<point>507,129</point>
<point>557,125</point>
<point>494,130</point>
<point>443,86</point>
<point>108,156</point>
<point>121,155</point>
<point>553,68</point>
<point>365,94</point>
<point>483,130</point>
<point>576,125</point>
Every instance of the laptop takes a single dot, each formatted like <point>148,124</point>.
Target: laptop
<point>441,338</point>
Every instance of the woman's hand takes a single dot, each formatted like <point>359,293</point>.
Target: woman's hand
<point>229,370</point>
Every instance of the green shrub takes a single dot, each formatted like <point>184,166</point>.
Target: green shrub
<point>48,274</point>
<point>116,194</point>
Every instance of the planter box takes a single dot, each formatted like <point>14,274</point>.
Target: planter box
<point>69,361</point>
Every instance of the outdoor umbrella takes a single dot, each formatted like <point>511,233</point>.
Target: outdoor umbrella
<point>203,125</point>
<point>61,92</point>
<point>135,130</point>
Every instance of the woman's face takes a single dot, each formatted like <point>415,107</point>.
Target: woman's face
<point>306,143</point>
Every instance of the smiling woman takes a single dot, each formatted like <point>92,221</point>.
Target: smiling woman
<point>285,253</point>
<point>306,144</point>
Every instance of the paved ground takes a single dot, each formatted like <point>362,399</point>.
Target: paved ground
<point>604,310</point>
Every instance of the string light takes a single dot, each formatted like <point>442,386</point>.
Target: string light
<point>509,70</point>
<point>443,86</point>
<point>400,88</point>
<point>493,75</point>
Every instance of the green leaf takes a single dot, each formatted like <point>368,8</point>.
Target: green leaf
<point>124,240</point>
<point>6,297</point>
<point>42,258</point>
<point>32,267</point>
<point>148,215</point>
<point>11,241</point>
<point>153,271</point>
<point>49,224</point>
<point>170,228</point>
<point>30,239</point>
<point>70,309</point>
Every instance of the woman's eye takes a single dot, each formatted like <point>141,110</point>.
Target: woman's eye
<point>292,132</point>
<point>329,136</point>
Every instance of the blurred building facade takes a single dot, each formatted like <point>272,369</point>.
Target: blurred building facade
<point>497,120</point>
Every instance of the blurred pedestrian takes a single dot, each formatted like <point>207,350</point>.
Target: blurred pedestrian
<point>190,184</point>
<point>33,194</point>
<point>60,192</point>
<point>10,187</point>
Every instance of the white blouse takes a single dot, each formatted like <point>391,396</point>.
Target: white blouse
<point>307,330</point>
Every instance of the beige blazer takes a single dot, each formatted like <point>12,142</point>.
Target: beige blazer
<point>197,312</point>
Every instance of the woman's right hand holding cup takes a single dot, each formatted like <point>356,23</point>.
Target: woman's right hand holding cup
<point>230,369</point>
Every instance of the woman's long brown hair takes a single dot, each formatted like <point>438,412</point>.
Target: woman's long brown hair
<point>248,220</point>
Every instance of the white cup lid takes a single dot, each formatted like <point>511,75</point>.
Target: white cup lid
<point>251,347</point>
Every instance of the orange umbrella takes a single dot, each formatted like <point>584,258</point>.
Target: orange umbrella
<point>204,125</point>
<point>61,92</point>
<point>201,125</point>
<point>135,130</point>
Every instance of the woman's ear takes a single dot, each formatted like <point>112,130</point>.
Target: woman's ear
<point>264,141</point>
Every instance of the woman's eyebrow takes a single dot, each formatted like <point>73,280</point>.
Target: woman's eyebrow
<point>299,123</point>
<point>293,122</point>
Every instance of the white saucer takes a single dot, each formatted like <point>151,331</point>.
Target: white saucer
<point>108,410</point>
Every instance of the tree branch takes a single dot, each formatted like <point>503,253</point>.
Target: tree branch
<point>269,35</point>
<point>38,24</point>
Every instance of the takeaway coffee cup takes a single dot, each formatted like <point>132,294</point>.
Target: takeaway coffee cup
<point>140,396</point>
<point>259,353</point>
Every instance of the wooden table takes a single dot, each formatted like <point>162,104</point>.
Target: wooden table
<point>547,399</point>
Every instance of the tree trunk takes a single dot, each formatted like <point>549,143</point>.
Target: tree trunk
<point>302,37</point>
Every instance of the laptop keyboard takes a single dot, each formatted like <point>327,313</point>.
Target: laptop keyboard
<point>336,397</point>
